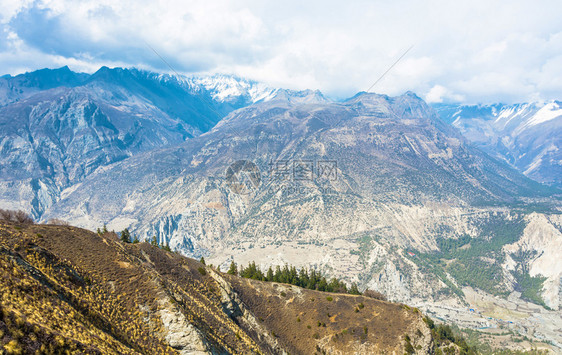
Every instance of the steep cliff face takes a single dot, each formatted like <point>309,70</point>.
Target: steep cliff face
<point>538,254</point>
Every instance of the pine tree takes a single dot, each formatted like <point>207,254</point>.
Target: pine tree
<point>303,277</point>
<point>104,230</point>
<point>135,240</point>
<point>354,290</point>
<point>334,285</point>
<point>233,270</point>
<point>252,272</point>
<point>154,241</point>
<point>202,260</point>
<point>125,236</point>
<point>322,285</point>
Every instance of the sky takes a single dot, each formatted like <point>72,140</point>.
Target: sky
<point>463,51</point>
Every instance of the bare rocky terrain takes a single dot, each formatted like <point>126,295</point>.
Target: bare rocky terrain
<point>376,190</point>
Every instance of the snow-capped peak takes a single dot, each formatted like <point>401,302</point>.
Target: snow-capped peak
<point>228,88</point>
<point>549,112</point>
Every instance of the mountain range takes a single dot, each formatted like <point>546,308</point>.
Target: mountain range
<point>59,126</point>
<point>384,191</point>
<point>526,136</point>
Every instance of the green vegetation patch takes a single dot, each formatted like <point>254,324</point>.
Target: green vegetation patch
<point>530,287</point>
<point>310,279</point>
<point>476,262</point>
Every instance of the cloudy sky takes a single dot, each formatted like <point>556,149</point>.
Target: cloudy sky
<point>463,51</point>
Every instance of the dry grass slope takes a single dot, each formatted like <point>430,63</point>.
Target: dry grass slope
<point>68,290</point>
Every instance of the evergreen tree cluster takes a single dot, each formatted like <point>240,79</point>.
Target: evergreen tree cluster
<point>310,279</point>
<point>444,335</point>
<point>155,243</point>
<point>125,237</point>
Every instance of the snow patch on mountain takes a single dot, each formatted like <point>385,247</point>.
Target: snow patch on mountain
<point>549,112</point>
<point>228,88</point>
<point>527,136</point>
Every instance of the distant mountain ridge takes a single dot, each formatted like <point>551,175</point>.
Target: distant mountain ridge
<point>233,90</point>
<point>15,88</point>
<point>58,126</point>
<point>221,87</point>
<point>527,136</point>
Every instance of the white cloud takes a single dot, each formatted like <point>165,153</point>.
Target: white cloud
<point>439,94</point>
<point>476,51</point>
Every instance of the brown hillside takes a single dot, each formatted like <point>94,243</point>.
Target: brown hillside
<point>68,289</point>
<point>307,321</point>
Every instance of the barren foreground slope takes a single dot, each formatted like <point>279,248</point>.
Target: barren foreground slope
<point>65,288</point>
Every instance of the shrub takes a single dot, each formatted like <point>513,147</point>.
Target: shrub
<point>329,298</point>
<point>57,222</point>
<point>409,349</point>
<point>13,347</point>
<point>374,294</point>
<point>354,290</point>
<point>154,241</point>
<point>202,271</point>
<point>15,216</point>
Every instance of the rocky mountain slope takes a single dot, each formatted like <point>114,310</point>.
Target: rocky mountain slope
<point>57,126</point>
<point>527,136</point>
<point>16,88</point>
<point>68,289</point>
<point>404,184</point>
